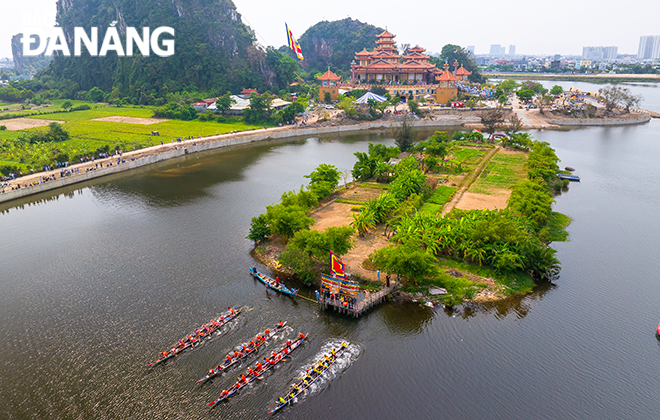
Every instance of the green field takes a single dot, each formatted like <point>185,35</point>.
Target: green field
<point>88,136</point>
<point>502,172</point>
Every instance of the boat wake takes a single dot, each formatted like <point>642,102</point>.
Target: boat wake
<point>343,362</point>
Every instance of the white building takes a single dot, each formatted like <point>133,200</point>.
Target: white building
<point>496,50</point>
<point>649,47</point>
<point>512,50</point>
<point>600,53</point>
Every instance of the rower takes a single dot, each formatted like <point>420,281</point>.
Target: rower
<point>301,335</point>
<point>280,324</point>
<point>210,371</point>
<point>225,393</point>
<point>282,400</point>
<point>277,280</point>
<point>343,345</point>
<point>229,358</point>
<point>267,331</point>
<point>163,353</point>
<point>259,366</point>
<point>243,378</point>
<point>288,344</point>
<point>237,385</point>
<point>231,310</point>
<point>252,372</point>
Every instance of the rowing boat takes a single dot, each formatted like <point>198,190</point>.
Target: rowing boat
<point>198,336</point>
<point>246,349</point>
<point>319,369</point>
<point>271,283</point>
<point>258,370</point>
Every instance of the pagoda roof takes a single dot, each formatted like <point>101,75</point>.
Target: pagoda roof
<point>416,55</point>
<point>447,77</point>
<point>385,34</point>
<point>412,64</point>
<point>364,53</point>
<point>417,48</point>
<point>463,72</point>
<point>328,75</point>
<point>385,54</point>
<point>248,91</point>
<point>380,64</point>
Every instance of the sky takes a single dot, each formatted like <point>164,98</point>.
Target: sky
<point>555,27</point>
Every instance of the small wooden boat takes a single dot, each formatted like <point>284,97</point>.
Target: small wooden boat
<point>569,169</point>
<point>657,330</point>
<point>272,283</point>
<point>569,177</point>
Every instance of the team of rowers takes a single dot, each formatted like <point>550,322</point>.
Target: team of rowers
<point>245,350</point>
<point>260,368</point>
<point>194,338</point>
<point>311,375</point>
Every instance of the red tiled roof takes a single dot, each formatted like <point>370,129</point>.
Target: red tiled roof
<point>462,72</point>
<point>416,48</point>
<point>328,75</point>
<point>246,91</point>
<point>364,53</point>
<point>380,64</point>
<point>385,34</point>
<point>446,77</point>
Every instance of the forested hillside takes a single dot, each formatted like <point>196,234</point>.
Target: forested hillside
<point>335,43</point>
<point>215,51</point>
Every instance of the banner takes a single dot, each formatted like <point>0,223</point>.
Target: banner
<point>293,43</point>
<point>336,266</point>
<point>336,285</point>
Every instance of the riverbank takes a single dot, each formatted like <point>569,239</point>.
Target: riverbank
<point>592,78</point>
<point>46,181</point>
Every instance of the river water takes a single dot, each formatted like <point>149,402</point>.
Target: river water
<point>96,279</point>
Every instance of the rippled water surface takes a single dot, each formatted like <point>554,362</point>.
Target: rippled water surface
<point>97,279</point>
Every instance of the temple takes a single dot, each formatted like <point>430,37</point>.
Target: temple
<point>384,64</point>
<point>329,85</point>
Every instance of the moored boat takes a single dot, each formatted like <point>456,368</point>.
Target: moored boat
<point>259,369</point>
<point>311,376</point>
<point>575,178</point>
<point>657,330</point>
<point>198,336</point>
<point>272,283</point>
<point>246,350</point>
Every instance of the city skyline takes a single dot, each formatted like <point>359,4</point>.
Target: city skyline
<point>562,36</point>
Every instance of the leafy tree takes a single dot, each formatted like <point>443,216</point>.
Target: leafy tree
<point>67,105</point>
<point>299,263</point>
<point>283,65</point>
<point>327,98</point>
<point>532,200</point>
<point>451,53</point>
<point>259,229</point>
<point>508,85</point>
<point>287,220</point>
<point>404,136</point>
<point>363,168</point>
<point>406,260</point>
<point>96,94</point>
<point>324,179</point>
<point>556,90</point>
<point>297,107</point>
<point>176,111</point>
<point>525,95</point>
<point>413,105</point>
<point>260,110</point>
<point>224,102</point>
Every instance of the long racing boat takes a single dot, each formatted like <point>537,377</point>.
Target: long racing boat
<point>272,283</point>
<point>259,369</point>
<point>198,336</point>
<point>311,376</point>
<point>246,350</point>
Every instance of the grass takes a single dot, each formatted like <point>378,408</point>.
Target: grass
<point>376,186</point>
<point>502,172</point>
<point>87,136</point>
<point>442,195</point>
<point>358,203</point>
<point>430,208</point>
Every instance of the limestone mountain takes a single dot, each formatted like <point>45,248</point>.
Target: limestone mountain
<point>335,43</point>
<point>214,50</point>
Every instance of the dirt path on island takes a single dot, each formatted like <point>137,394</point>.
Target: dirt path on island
<point>467,182</point>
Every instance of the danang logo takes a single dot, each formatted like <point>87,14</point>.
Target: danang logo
<point>160,42</point>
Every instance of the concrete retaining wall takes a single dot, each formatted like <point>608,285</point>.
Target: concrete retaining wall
<point>599,122</point>
<point>215,142</point>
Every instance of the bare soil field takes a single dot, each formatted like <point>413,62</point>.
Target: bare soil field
<point>474,201</point>
<point>132,120</point>
<point>16,124</point>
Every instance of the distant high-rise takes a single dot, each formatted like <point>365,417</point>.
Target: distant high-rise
<point>496,50</point>
<point>649,47</point>
<point>512,50</point>
<point>600,53</point>
<point>470,49</point>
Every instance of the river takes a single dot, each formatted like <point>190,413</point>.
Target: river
<point>98,278</point>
